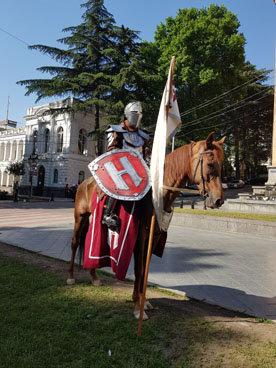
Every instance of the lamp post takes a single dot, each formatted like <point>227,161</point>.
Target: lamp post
<point>32,160</point>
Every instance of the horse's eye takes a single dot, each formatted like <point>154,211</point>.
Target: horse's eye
<point>210,165</point>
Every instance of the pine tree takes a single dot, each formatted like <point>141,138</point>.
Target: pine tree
<point>97,59</point>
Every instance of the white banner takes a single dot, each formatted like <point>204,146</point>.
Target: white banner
<point>167,124</point>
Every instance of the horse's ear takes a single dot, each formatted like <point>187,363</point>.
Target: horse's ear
<point>209,140</point>
<point>221,141</point>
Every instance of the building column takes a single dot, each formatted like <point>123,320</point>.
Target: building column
<point>5,151</point>
<point>11,146</point>
<point>7,180</point>
<point>17,150</point>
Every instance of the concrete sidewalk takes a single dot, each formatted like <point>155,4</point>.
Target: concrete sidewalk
<point>235,271</point>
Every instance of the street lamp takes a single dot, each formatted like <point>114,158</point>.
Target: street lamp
<point>33,160</point>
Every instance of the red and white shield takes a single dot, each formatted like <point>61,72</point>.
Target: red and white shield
<point>121,174</point>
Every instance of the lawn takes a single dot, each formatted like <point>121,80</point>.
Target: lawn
<point>219,213</point>
<point>45,323</point>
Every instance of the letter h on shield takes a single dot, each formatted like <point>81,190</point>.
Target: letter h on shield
<point>116,175</point>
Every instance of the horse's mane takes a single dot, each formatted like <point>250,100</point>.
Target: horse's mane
<point>177,163</point>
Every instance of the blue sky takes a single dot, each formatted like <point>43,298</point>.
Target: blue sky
<point>41,21</point>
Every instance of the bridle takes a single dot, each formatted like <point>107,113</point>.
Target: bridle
<point>198,164</point>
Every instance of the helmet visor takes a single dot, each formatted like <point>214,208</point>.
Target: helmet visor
<point>134,118</point>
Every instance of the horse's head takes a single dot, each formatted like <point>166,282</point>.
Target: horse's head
<point>207,157</point>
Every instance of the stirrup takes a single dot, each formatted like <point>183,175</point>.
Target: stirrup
<point>112,221</point>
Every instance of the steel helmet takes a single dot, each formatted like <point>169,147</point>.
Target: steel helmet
<point>133,113</point>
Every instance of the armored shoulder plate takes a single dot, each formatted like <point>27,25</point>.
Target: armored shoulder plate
<point>115,128</point>
<point>143,134</point>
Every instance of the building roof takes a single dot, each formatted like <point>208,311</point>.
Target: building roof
<point>8,123</point>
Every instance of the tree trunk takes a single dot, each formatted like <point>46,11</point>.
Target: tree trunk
<point>237,148</point>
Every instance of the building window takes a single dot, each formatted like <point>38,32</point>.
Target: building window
<point>35,141</point>
<point>82,142</point>
<point>59,139</point>
<point>56,176</point>
<point>47,139</point>
<point>81,177</point>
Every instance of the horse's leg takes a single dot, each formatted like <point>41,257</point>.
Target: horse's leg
<point>80,230</point>
<point>139,267</point>
<point>83,231</point>
<point>74,247</point>
<point>95,279</point>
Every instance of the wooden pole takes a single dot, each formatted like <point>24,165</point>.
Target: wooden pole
<point>143,297</point>
<point>173,144</point>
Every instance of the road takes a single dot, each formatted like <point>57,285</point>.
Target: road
<point>234,271</point>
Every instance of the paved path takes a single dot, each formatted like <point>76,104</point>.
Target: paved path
<point>234,271</point>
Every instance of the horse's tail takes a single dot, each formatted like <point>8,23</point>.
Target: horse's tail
<point>83,232</point>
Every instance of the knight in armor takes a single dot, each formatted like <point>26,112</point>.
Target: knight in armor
<point>127,135</point>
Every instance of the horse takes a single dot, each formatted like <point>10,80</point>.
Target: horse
<point>197,162</point>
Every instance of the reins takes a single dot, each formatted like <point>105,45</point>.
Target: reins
<point>173,189</point>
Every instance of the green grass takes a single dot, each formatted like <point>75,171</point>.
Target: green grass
<point>239,215</point>
<point>45,323</point>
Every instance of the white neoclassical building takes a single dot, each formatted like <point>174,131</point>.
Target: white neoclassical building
<point>62,146</point>
<point>12,146</point>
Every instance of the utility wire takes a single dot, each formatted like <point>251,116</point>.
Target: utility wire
<point>46,53</point>
<point>204,104</point>
<point>198,122</point>
<point>226,109</point>
<point>13,36</point>
<point>224,113</point>
<point>217,98</point>
<point>224,123</point>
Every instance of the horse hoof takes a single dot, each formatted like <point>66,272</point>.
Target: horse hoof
<point>137,315</point>
<point>96,283</point>
<point>148,306</point>
<point>70,281</point>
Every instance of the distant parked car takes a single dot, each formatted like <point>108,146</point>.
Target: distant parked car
<point>236,184</point>
<point>257,181</point>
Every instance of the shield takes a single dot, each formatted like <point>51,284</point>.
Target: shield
<point>121,174</point>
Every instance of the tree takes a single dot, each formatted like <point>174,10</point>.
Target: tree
<point>216,89</point>
<point>209,52</point>
<point>16,168</point>
<point>252,124</point>
<point>97,53</point>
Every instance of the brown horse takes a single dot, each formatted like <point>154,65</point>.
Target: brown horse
<point>197,162</point>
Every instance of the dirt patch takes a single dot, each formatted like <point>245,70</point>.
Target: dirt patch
<point>232,331</point>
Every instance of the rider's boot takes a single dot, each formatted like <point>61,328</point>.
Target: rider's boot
<point>110,219</point>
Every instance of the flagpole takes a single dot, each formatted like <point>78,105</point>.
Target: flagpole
<point>7,117</point>
<point>173,144</point>
<point>171,79</point>
<point>162,132</point>
<point>170,82</point>
<point>143,296</point>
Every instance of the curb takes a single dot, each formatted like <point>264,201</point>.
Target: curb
<point>264,229</point>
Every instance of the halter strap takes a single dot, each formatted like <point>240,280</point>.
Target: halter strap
<point>200,163</point>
